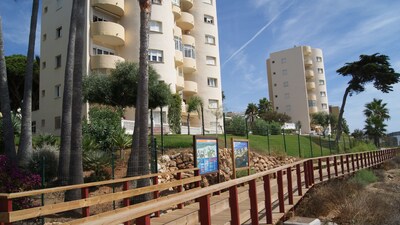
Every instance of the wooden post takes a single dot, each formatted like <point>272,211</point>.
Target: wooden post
<point>197,173</point>
<point>205,214</point>
<point>342,164</point>
<point>156,194</point>
<point>268,201</point>
<point>328,168</point>
<point>6,206</point>
<point>365,159</point>
<point>234,205</point>
<point>280,192</point>
<point>320,169</point>
<point>362,160</point>
<point>253,202</point>
<point>352,162</point>
<point>85,194</point>
<point>311,167</point>
<point>298,176</point>
<point>335,167</point>
<point>144,220</point>
<point>369,154</point>
<point>290,185</point>
<point>126,201</point>
<point>180,188</point>
<point>305,168</point>
<point>358,162</point>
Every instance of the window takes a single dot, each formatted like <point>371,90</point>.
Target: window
<point>312,103</point>
<point>321,82</point>
<point>58,61</point>
<point>155,26</point>
<point>57,122</point>
<point>324,105</point>
<point>208,1</point>
<point>43,123</point>
<point>189,51</point>
<point>212,103</point>
<point>44,65</point>
<point>320,70</point>
<point>276,96</point>
<point>102,51</point>
<point>176,2</point>
<point>286,84</point>
<point>155,55</point>
<point>287,95</point>
<point>277,108</point>
<point>283,60</point>
<point>284,72</point>
<point>158,2</point>
<point>319,59</point>
<point>210,60</point>
<point>57,91</point>
<point>58,32</point>
<point>322,93</point>
<point>43,93</point>
<point>212,82</point>
<point>208,19</point>
<point>210,39</point>
<point>178,43</point>
<point>273,61</point>
<point>45,9</point>
<point>44,37</point>
<point>274,73</point>
<point>275,85</point>
<point>33,127</point>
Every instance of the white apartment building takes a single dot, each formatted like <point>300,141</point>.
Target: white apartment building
<point>297,84</point>
<point>183,49</point>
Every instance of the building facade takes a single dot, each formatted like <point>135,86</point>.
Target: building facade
<point>183,49</point>
<point>297,84</point>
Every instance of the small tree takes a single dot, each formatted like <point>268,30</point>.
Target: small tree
<point>358,134</point>
<point>251,112</point>
<point>193,104</point>
<point>174,113</point>
<point>376,113</point>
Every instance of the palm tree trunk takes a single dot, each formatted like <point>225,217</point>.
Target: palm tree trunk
<point>188,123</point>
<point>25,145</point>
<point>65,147</point>
<point>8,130</point>
<point>75,166</point>
<point>340,119</point>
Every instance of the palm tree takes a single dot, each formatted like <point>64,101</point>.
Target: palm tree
<point>75,165</point>
<point>376,113</point>
<point>251,112</point>
<point>370,68</point>
<point>264,106</point>
<point>194,103</point>
<point>25,145</point>
<point>8,130</point>
<point>65,147</point>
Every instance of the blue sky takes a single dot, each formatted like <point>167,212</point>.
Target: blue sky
<point>251,29</point>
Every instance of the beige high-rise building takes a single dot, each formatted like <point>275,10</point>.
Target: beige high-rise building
<point>183,49</point>
<point>297,84</point>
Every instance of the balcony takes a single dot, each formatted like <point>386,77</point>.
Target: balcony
<point>308,62</point>
<point>186,4</point>
<point>189,65</point>
<point>108,33</point>
<point>188,40</point>
<point>178,58</point>
<point>306,50</point>
<point>309,74</point>
<point>313,109</point>
<point>180,83</point>
<point>312,97</point>
<point>177,31</point>
<point>186,22</point>
<point>116,7</point>
<point>176,10</point>
<point>104,61</point>
<point>310,85</point>
<point>190,87</point>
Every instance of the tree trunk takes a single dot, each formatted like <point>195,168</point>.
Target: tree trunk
<point>25,145</point>
<point>340,119</point>
<point>8,130</point>
<point>75,166</point>
<point>202,120</point>
<point>188,123</point>
<point>65,147</point>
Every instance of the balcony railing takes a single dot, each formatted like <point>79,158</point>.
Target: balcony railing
<point>108,33</point>
<point>116,7</point>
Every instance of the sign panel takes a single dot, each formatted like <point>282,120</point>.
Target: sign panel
<point>206,154</point>
<point>241,153</point>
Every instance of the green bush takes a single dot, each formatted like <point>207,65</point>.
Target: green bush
<point>362,146</point>
<point>45,139</point>
<point>97,161</point>
<point>237,126</point>
<point>275,128</point>
<point>104,124</point>
<point>50,155</point>
<point>364,177</point>
<point>260,127</point>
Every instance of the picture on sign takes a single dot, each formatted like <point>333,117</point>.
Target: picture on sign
<point>241,153</point>
<point>206,154</point>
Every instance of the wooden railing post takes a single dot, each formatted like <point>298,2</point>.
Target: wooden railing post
<point>85,194</point>
<point>298,175</point>
<point>156,194</point>
<point>290,185</point>
<point>369,154</point>
<point>234,205</point>
<point>280,192</point>
<point>342,164</point>
<point>328,168</point>
<point>352,162</point>
<point>197,173</point>
<point>320,169</point>
<point>305,168</point>
<point>311,168</point>
<point>144,220</point>
<point>268,201</point>
<point>253,202</point>
<point>335,167</point>
<point>126,201</point>
<point>347,164</point>
<point>362,160</point>
<point>205,214</point>
<point>357,161</point>
<point>6,206</point>
<point>180,188</point>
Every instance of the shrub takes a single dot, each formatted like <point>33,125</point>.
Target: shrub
<point>50,155</point>
<point>275,128</point>
<point>45,139</point>
<point>361,146</point>
<point>260,127</point>
<point>13,179</point>
<point>364,177</point>
<point>237,126</point>
<point>97,161</point>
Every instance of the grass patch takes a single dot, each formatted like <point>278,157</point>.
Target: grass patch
<point>364,177</point>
